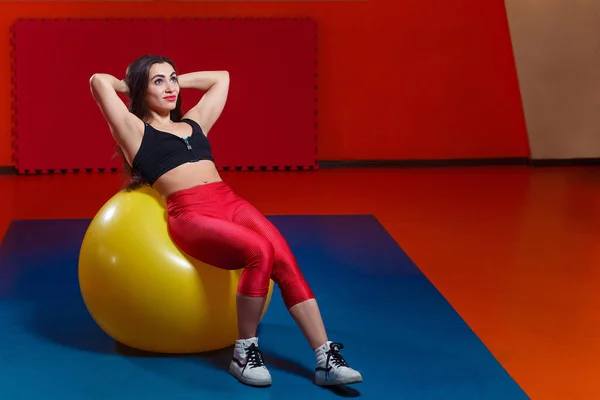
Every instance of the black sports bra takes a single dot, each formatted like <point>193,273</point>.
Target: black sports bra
<point>162,151</point>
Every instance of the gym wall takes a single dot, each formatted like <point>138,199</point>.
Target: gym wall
<point>557,49</point>
<point>396,80</point>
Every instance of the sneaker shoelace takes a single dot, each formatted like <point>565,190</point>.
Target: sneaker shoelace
<point>334,357</point>
<point>254,356</point>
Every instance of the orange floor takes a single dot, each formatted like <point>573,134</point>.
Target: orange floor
<point>511,248</point>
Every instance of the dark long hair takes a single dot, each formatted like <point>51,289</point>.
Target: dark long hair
<point>136,79</point>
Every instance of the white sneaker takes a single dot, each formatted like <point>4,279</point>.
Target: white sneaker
<point>331,368</point>
<point>247,363</point>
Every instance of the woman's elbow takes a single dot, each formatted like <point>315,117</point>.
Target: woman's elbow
<point>95,80</point>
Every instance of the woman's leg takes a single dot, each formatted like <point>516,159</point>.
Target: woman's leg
<point>331,368</point>
<point>297,295</point>
<point>226,245</point>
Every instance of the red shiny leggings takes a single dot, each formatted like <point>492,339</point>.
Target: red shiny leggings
<point>214,225</point>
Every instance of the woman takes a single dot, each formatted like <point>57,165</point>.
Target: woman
<point>206,219</point>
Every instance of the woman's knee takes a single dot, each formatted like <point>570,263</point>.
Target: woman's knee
<point>260,254</point>
<point>258,268</point>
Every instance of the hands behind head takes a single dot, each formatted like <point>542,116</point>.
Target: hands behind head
<point>123,88</point>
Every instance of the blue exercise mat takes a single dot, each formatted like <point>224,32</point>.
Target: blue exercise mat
<point>398,330</point>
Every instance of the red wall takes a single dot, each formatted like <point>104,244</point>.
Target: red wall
<point>417,79</point>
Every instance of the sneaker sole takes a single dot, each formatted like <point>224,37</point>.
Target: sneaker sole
<point>250,382</point>
<point>339,382</point>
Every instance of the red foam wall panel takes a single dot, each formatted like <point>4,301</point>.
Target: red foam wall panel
<point>268,123</point>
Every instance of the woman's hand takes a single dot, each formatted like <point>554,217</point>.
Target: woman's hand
<point>121,87</point>
<point>118,86</point>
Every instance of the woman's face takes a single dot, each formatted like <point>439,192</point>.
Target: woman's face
<point>163,88</point>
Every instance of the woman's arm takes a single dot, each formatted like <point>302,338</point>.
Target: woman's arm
<point>104,88</point>
<point>118,85</point>
<point>215,84</point>
<point>202,80</point>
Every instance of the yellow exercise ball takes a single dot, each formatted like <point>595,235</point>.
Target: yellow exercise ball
<point>146,293</point>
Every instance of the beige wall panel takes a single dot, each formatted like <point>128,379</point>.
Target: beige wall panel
<point>557,50</point>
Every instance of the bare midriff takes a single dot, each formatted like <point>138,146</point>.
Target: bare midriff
<point>187,176</point>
